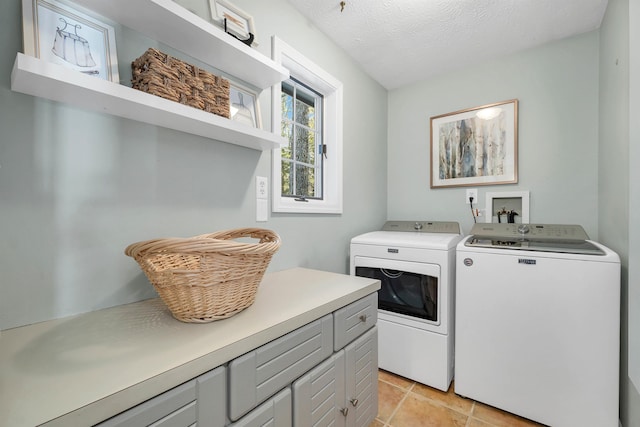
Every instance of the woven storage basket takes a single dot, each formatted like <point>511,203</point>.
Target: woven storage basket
<point>163,75</point>
<point>207,277</point>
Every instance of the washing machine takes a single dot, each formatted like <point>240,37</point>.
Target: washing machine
<point>538,323</point>
<point>415,263</point>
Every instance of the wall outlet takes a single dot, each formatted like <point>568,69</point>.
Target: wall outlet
<point>261,187</point>
<point>471,192</point>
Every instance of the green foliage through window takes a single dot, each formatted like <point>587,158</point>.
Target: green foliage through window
<point>302,127</point>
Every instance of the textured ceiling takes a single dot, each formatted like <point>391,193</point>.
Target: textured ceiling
<point>399,42</point>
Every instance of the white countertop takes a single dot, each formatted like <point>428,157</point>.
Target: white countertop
<point>82,369</point>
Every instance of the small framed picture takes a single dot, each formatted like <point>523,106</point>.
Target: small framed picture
<point>243,105</point>
<point>239,23</point>
<point>58,33</point>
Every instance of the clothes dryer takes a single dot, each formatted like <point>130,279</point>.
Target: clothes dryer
<point>415,263</point>
<point>538,323</point>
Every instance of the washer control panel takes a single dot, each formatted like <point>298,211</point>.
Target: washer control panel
<point>531,231</point>
<point>533,237</point>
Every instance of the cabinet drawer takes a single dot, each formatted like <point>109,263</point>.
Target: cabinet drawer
<point>257,375</point>
<point>274,412</point>
<point>353,320</point>
<point>212,398</point>
<point>185,416</point>
<point>176,407</point>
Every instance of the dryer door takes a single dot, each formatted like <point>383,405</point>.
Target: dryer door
<point>410,289</point>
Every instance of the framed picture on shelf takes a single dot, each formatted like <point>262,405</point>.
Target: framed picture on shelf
<point>244,106</point>
<point>476,146</point>
<point>238,23</point>
<point>58,33</point>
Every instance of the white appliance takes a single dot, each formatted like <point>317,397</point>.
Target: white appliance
<point>415,262</point>
<point>538,323</point>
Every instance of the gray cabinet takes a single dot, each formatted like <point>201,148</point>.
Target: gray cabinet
<point>255,376</point>
<point>324,373</point>
<point>319,396</point>
<point>176,407</point>
<point>361,378</point>
<point>354,319</point>
<point>274,412</point>
<point>211,390</point>
<point>343,390</point>
<point>201,400</point>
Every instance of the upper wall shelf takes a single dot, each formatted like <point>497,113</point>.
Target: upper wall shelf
<point>175,26</point>
<point>37,77</point>
<point>171,24</point>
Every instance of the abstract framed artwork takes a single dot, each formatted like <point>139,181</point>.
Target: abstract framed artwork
<point>476,146</point>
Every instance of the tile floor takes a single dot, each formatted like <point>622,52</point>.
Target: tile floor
<point>405,403</point>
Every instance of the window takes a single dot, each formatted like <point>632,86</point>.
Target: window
<point>307,108</point>
<point>301,125</point>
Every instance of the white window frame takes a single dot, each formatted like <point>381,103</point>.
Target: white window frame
<point>315,77</point>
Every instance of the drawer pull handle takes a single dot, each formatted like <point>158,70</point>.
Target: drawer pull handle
<point>354,402</point>
<point>344,411</point>
<point>363,318</point>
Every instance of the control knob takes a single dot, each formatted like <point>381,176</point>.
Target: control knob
<point>523,229</point>
<point>417,226</point>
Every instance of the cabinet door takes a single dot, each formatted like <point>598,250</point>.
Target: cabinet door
<point>319,396</point>
<point>275,412</point>
<point>361,369</point>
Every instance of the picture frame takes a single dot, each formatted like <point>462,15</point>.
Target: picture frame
<point>56,32</point>
<point>244,105</point>
<point>475,146</point>
<point>239,23</point>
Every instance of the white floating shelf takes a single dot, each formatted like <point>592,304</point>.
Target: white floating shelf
<point>175,26</point>
<point>36,77</point>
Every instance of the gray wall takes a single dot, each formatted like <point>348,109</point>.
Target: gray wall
<point>631,408</point>
<point>619,194</point>
<point>557,89</point>
<point>77,187</point>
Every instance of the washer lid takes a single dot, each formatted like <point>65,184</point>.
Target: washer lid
<point>533,237</point>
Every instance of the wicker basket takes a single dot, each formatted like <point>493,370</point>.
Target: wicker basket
<point>207,277</point>
<point>163,75</point>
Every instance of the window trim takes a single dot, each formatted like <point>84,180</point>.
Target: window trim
<point>332,90</point>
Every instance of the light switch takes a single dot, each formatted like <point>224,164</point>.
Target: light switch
<point>262,210</point>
